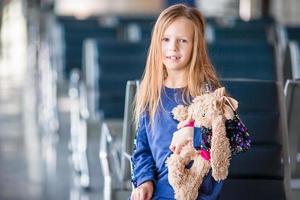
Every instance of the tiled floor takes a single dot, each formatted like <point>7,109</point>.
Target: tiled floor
<point>32,167</point>
<point>18,178</point>
<point>62,180</point>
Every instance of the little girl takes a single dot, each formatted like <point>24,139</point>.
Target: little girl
<point>177,70</point>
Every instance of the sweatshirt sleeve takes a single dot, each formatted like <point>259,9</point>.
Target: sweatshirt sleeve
<point>142,162</point>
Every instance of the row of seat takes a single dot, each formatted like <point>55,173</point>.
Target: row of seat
<point>291,60</point>
<point>293,33</point>
<point>116,62</point>
<point>292,91</point>
<point>291,75</point>
<point>75,31</point>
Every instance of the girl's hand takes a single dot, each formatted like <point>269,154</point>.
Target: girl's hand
<point>143,192</point>
<point>180,138</point>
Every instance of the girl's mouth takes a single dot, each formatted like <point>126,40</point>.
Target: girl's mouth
<point>173,57</point>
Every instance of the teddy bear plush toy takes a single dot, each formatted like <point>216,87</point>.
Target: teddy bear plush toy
<point>209,110</point>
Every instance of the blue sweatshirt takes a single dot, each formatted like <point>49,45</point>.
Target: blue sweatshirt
<point>152,149</point>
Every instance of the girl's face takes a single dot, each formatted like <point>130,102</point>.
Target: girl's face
<point>177,44</point>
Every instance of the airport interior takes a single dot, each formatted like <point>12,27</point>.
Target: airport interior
<point>70,71</point>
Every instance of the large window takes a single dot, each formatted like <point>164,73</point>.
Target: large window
<point>84,8</point>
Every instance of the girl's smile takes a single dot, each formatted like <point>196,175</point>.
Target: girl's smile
<point>173,58</point>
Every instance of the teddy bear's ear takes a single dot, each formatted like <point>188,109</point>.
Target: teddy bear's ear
<point>220,92</point>
<point>231,102</point>
<point>180,112</point>
<point>217,105</point>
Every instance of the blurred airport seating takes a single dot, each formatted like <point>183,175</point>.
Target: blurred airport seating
<point>75,32</point>
<point>100,88</point>
<point>238,59</point>
<point>265,168</point>
<point>292,61</point>
<point>137,28</point>
<point>293,33</point>
<point>235,29</point>
<point>290,42</point>
<point>292,97</point>
<point>292,91</point>
<point>244,56</point>
<point>115,63</point>
<point>115,149</point>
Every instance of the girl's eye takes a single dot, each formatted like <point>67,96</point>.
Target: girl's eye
<point>165,39</point>
<point>183,41</point>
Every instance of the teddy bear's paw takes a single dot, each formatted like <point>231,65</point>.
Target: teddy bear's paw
<point>176,161</point>
<point>220,158</point>
<point>183,196</point>
<point>180,195</point>
<point>220,173</point>
<point>220,169</point>
<point>187,185</point>
<point>220,152</point>
<point>186,193</point>
<point>201,168</point>
<point>176,180</point>
<point>176,170</point>
<point>187,152</point>
<point>180,113</point>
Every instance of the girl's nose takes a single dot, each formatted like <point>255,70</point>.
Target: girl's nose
<point>173,46</point>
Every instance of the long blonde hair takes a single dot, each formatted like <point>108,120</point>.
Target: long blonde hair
<point>200,69</point>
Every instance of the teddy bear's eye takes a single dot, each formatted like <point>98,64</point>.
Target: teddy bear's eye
<point>203,114</point>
